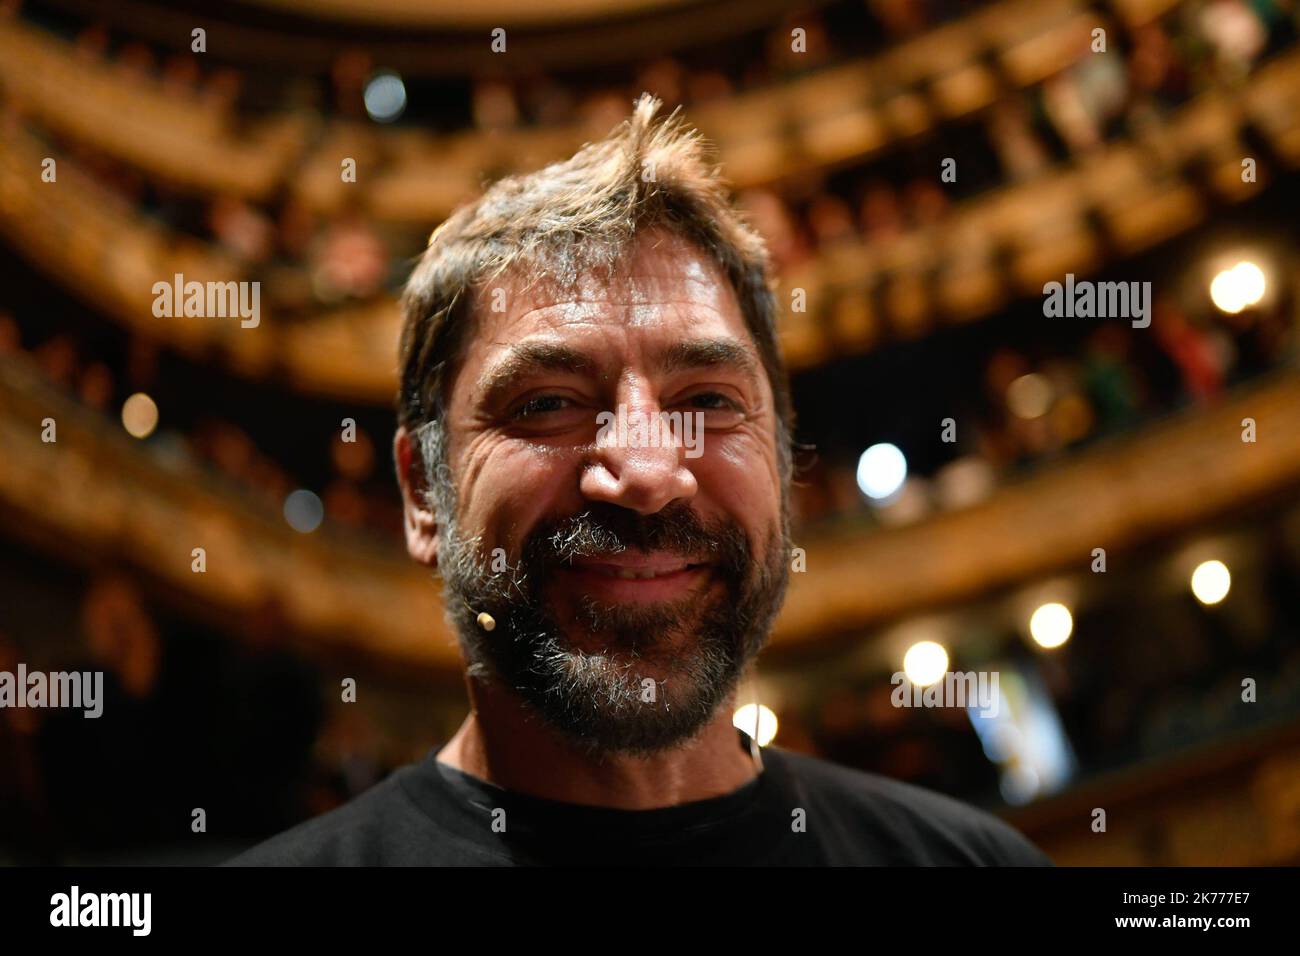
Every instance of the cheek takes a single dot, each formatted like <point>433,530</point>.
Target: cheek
<point>738,474</point>
<point>508,487</point>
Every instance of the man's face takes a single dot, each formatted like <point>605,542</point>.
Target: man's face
<point>633,580</point>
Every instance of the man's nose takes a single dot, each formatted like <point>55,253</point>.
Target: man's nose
<point>643,473</point>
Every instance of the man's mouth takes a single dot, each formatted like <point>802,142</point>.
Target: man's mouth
<point>637,576</point>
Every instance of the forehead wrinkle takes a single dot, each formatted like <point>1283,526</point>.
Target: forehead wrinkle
<point>670,311</point>
<point>623,312</point>
<point>637,288</point>
<point>591,305</point>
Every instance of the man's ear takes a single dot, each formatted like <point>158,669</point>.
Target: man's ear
<point>418,520</point>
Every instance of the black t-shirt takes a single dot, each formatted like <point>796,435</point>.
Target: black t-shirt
<point>800,811</point>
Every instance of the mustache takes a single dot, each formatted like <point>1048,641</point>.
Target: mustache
<point>517,588</point>
<point>605,529</point>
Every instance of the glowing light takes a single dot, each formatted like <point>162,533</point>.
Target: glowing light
<point>1237,288</point>
<point>1002,742</point>
<point>1030,396</point>
<point>1211,582</point>
<point>882,469</point>
<point>744,719</point>
<point>925,663</point>
<point>1020,784</point>
<point>1251,281</point>
<point>385,96</point>
<point>139,415</point>
<point>1051,625</point>
<point>304,511</point>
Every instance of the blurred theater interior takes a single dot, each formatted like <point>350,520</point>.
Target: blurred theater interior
<point>1104,513</point>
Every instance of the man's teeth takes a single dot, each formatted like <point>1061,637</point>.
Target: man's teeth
<point>635,574</point>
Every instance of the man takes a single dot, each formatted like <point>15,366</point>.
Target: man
<point>610,585</point>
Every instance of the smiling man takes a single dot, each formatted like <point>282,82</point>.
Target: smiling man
<point>609,592</point>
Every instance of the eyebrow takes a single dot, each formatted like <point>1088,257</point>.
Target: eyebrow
<point>708,353</point>
<point>532,358</point>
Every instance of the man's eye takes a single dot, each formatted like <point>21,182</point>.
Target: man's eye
<point>541,405</point>
<point>717,411</point>
<point>712,400</point>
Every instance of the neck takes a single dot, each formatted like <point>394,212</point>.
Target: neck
<point>504,743</point>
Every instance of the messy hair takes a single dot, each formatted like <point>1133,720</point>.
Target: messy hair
<point>571,218</point>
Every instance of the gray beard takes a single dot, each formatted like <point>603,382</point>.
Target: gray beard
<point>601,700</point>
